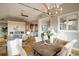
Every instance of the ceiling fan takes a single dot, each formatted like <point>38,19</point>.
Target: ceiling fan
<point>49,10</point>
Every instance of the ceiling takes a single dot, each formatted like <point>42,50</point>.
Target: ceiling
<point>15,10</point>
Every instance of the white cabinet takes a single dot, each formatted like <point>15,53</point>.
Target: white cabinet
<point>68,22</point>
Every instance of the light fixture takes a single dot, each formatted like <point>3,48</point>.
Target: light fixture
<point>54,8</point>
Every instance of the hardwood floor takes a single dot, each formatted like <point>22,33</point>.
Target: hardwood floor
<point>3,47</point>
<point>28,50</point>
<point>3,51</point>
<point>26,45</point>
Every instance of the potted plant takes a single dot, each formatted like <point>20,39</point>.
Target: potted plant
<point>4,30</point>
<point>50,34</point>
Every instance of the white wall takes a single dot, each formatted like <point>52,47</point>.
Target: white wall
<point>14,24</point>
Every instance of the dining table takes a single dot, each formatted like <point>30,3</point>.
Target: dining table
<point>45,49</point>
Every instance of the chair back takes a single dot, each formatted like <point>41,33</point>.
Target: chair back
<point>12,47</point>
<point>38,39</point>
<point>66,50</point>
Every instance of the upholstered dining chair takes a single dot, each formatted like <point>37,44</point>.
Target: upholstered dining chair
<point>20,49</point>
<point>66,50</point>
<point>38,39</point>
<point>14,47</point>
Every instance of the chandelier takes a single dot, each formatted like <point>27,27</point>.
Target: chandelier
<point>53,8</point>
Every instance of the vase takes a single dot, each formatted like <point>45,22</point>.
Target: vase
<point>52,39</point>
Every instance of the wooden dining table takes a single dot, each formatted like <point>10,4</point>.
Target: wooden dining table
<point>45,49</point>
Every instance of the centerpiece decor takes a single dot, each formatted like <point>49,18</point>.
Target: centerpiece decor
<point>49,34</point>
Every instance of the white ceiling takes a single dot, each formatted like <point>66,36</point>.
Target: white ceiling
<point>14,10</point>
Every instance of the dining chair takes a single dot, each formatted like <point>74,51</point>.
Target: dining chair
<point>38,39</point>
<point>12,47</point>
<point>45,37</point>
<point>20,48</point>
<point>66,50</point>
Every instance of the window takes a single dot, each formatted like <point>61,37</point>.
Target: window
<point>68,22</point>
